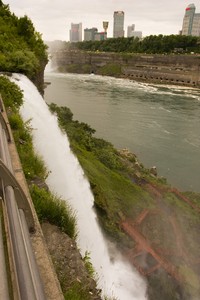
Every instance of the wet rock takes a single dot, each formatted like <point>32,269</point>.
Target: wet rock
<point>153,171</point>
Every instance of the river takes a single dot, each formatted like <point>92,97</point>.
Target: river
<point>115,276</point>
<point>160,124</point>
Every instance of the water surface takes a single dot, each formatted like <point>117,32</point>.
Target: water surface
<point>160,124</point>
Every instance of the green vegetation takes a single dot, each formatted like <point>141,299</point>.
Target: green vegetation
<point>21,47</point>
<point>163,287</point>
<point>118,183</point>
<point>54,210</point>
<point>49,207</point>
<point>11,94</point>
<point>110,70</point>
<point>77,292</point>
<point>150,44</point>
<point>75,68</point>
<point>122,190</point>
<point>88,264</point>
<point>115,194</point>
<point>32,164</point>
<point>194,197</point>
<point>190,277</point>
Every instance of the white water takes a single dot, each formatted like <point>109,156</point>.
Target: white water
<point>116,277</point>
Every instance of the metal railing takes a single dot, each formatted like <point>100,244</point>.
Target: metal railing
<point>19,224</point>
<point>4,291</point>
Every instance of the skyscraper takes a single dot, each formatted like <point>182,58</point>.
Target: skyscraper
<point>118,24</point>
<point>130,30</point>
<point>89,34</point>
<point>196,25</point>
<point>191,21</point>
<point>75,32</point>
<point>132,33</point>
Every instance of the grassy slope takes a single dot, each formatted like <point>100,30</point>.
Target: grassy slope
<point>171,226</point>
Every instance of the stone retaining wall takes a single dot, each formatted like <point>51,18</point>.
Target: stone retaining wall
<point>157,68</point>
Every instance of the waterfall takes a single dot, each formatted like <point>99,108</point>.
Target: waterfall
<point>116,277</point>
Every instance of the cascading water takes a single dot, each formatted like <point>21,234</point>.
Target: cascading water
<point>116,277</point>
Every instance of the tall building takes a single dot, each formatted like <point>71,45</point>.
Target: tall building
<point>89,34</point>
<point>191,21</point>
<point>100,36</point>
<point>196,25</point>
<point>92,34</point>
<point>118,24</point>
<point>132,33</point>
<point>137,34</point>
<point>130,30</point>
<point>75,32</point>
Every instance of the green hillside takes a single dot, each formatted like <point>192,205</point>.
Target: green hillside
<point>154,225</point>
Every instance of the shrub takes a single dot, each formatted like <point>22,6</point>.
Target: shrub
<point>88,264</point>
<point>77,292</point>
<point>10,93</point>
<point>54,210</point>
<point>33,165</point>
<point>15,121</point>
<point>110,70</point>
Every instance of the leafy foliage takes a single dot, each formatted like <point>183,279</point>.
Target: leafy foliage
<point>113,190</point>
<point>82,134</point>
<point>150,44</point>
<point>21,47</point>
<point>77,292</point>
<point>88,264</point>
<point>51,208</point>
<point>118,198</point>
<point>10,93</point>
<point>33,165</point>
<point>110,70</point>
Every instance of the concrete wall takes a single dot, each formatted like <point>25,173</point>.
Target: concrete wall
<point>172,69</point>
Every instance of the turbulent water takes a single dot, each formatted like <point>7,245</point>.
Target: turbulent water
<point>115,276</point>
<point>161,124</point>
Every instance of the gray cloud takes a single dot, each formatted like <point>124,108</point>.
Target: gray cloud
<point>53,18</point>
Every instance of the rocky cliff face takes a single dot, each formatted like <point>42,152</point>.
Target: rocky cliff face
<point>38,78</point>
<point>172,69</point>
<point>69,264</point>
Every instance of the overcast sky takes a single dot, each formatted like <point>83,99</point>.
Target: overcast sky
<point>53,18</point>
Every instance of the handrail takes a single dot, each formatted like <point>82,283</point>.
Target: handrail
<point>20,197</point>
<point>27,278</point>
<point>4,291</point>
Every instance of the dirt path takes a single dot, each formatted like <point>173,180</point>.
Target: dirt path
<point>160,256</point>
<point>145,246</point>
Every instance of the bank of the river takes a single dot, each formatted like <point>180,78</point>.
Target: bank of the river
<point>157,68</point>
<point>155,226</point>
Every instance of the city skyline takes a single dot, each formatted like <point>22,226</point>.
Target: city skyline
<point>53,20</point>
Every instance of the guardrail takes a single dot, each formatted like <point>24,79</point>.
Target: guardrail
<point>19,223</point>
